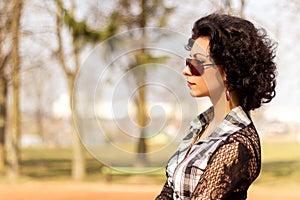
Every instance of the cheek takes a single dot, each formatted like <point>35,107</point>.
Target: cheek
<point>214,82</point>
<point>200,89</point>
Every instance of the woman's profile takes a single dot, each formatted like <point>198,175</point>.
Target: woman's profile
<point>231,62</point>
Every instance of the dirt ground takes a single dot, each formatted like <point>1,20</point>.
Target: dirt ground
<point>106,191</point>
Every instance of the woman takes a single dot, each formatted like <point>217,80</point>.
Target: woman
<point>232,63</point>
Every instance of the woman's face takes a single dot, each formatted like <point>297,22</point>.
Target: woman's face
<point>196,83</point>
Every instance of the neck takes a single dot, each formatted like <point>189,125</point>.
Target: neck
<point>221,109</point>
<point>233,101</point>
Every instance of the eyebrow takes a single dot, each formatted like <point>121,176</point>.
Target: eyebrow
<point>199,54</point>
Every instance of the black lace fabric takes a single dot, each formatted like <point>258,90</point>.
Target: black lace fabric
<point>166,193</point>
<point>230,171</point>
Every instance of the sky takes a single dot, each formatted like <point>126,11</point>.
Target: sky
<point>281,22</point>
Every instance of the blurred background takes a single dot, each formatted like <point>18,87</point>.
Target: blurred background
<point>44,47</point>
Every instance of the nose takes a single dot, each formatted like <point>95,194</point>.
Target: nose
<point>186,71</point>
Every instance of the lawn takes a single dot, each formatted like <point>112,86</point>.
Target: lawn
<point>280,166</point>
<point>48,171</point>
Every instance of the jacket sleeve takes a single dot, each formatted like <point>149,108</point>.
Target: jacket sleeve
<point>166,193</point>
<point>229,173</point>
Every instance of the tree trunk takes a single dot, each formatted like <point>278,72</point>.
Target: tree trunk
<point>13,170</point>
<point>78,161</point>
<point>39,118</point>
<point>39,114</point>
<point>141,99</point>
<point>3,97</point>
<point>242,9</point>
<point>141,118</point>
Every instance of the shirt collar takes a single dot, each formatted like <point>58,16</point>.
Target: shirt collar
<point>236,119</point>
<point>203,119</point>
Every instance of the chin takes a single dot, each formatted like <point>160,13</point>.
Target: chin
<point>193,94</point>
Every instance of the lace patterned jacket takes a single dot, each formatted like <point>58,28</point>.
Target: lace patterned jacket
<point>221,166</point>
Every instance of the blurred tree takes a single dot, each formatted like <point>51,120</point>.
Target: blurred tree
<point>14,153</point>
<point>226,7</point>
<point>5,24</point>
<point>5,52</point>
<point>80,35</point>
<point>35,88</point>
<point>78,161</point>
<point>152,13</point>
<point>3,107</point>
<point>125,16</point>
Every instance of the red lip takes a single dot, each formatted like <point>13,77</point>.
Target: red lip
<point>190,83</point>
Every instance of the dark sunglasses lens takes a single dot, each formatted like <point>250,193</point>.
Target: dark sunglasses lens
<point>195,66</point>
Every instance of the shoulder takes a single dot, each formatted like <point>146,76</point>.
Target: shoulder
<point>241,151</point>
<point>242,146</point>
<point>248,138</point>
<point>244,143</point>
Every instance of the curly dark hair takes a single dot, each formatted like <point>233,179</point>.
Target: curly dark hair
<point>246,54</point>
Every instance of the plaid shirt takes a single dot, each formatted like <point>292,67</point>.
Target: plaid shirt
<point>187,164</point>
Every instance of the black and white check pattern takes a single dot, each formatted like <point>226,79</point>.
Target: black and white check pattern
<point>188,163</point>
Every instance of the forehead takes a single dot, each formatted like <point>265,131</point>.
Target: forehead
<point>200,47</point>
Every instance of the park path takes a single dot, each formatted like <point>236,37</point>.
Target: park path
<point>106,191</point>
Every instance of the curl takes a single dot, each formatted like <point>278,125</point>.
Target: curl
<point>246,54</point>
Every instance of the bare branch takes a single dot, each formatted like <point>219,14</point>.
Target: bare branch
<point>59,51</point>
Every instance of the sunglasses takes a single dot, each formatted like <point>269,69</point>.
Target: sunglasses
<point>196,66</point>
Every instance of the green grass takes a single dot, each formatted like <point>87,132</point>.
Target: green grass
<point>124,156</point>
<point>280,166</point>
<point>54,164</point>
